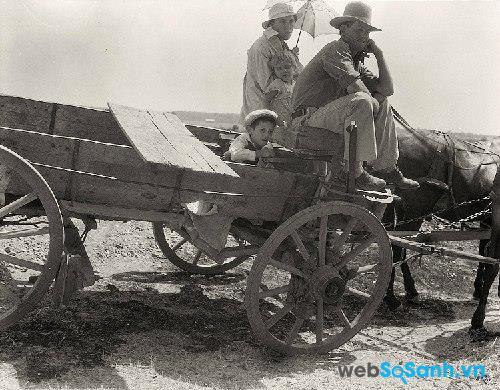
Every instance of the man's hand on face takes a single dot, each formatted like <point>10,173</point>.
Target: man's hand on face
<point>372,47</point>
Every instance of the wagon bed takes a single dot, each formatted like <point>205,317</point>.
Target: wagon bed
<point>140,166</point>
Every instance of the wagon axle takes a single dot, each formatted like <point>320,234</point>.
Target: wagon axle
<point>329,283</point>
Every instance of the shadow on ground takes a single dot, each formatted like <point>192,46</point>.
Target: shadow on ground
<point>428,311</point>
<point>179,278</point>
<point>147,328</point>
<point>457,345</point>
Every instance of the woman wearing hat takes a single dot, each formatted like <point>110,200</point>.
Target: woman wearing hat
<point>340,89</point>
<point>277,29</point>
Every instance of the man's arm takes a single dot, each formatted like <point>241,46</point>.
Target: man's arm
<point>385,85</point>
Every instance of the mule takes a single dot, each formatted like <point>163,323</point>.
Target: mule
<point>456,177</point>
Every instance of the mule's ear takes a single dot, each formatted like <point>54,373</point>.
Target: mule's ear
<point>434,182</point>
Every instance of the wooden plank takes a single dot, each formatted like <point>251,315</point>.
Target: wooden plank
<point>209,134</point>
<point>94,124</point>
<point>310,138</point>
<point>203,156</point>
<point>162,139</point>
<point>124,164</point>
<point>28,114</point>
<point>180,141</point>
<point>121,213</point>
<point>117,176</point>
<point>144,136</point>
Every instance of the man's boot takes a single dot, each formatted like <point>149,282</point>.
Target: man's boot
<point>367,182</point>
<point>394,176</point>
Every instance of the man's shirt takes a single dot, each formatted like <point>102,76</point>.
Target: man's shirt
<point>326,77</point>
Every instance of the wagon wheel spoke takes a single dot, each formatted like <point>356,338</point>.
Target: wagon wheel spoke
<point>342,317</point>
<point>300,245</point>
<point>323,230</point>
<point>366,269</point>
<point>331,297</point>
<point>20,262</point>
<point>179,244</point>
<point>279,315</point>
<point>358,249</point>
<point>27,267</point>
<point>358,293</point>
<point>340,240</point>
<point>274,291</point>
<point>294,331</point>
<point>24,233</point>
<point>17,204</point>
<point>197,256</point>
<point>319,320</point>
<point>288,268</point>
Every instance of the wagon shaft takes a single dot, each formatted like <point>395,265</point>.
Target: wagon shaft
<point>427,249</point>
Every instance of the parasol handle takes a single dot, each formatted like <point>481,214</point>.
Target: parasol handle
<point>302,25</point>
<point>300,32</point>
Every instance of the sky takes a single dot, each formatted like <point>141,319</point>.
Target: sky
<point>169,55</point>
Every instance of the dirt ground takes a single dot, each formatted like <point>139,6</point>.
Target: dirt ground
<point>146,325</point>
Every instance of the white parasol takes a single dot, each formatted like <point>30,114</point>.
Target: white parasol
<point>314,18</point>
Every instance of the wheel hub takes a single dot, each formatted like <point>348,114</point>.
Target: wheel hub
<point>329,284</point>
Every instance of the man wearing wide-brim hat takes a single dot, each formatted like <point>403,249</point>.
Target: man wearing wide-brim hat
<point>335,88</point>
<point>277,29</point>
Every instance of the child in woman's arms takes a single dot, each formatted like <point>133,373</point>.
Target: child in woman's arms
<point>255,143</point>
<point>279,92</point>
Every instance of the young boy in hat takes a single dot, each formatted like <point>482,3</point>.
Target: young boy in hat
<point>254,144</point>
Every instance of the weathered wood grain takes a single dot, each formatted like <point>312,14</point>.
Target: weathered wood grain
<point>144,136</point>
<point>94,124</point>
<point>161,138</point>
<point>112,175</point>
<point>310,138</point>
<point>208,134</point>
<point>16,112</point>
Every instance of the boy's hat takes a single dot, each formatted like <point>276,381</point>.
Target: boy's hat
<point>279,10</point>
<point>263,113</point>
<point>355,11</point>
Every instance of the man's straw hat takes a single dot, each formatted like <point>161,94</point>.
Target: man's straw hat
<point>279,10</point>
<point>355,10</point>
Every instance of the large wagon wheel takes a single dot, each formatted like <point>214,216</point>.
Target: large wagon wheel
<point>319,278</point>
<point>181,252</point>
<point>28,264</point>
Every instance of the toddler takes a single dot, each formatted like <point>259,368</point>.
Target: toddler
<point>279,92</point>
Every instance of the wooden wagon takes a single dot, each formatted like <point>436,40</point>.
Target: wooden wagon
<point>323,258</point>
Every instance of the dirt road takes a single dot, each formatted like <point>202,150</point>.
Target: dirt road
<point>145,325</point>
